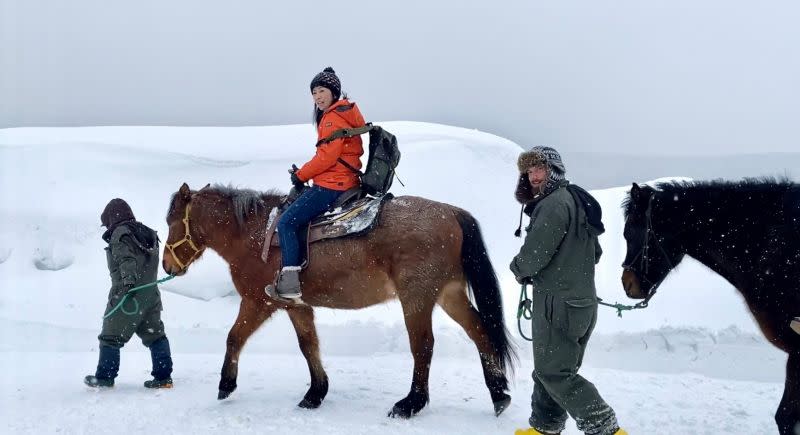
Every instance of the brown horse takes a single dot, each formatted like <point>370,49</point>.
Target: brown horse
<point>748,232</point>
<point>421,252</point>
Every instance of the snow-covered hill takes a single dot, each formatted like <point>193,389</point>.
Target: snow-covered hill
<point>54,182</point>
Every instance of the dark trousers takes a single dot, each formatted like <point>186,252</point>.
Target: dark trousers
<point>562,326</point>
<point>118,330</point>
<point>120,327</point>
<point>311,203</point>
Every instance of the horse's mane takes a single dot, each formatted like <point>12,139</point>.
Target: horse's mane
<point>699,192</point>
<point>244,201</point>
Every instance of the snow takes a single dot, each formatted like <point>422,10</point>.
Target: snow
<point>692,362</point>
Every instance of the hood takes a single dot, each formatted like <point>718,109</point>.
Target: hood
<point>144,236</point>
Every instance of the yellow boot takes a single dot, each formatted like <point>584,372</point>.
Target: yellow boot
<point>532,431</point>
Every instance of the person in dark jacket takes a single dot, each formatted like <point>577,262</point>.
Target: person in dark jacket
<point>558,258</point>
<point>132,255</point>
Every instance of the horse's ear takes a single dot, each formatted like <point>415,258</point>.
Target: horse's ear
<point>636,191</point>
<point>185,192</point>
<point>206,186</point>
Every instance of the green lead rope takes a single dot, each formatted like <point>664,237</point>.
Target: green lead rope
<point>619,307</point>
<point>135,302</point>
<point>525,308</point>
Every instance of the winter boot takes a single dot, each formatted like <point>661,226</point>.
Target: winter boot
<point>288,285</point>
<point>107,368</point>
<point>162,364</point>
<point>158,383</point>
<point>95,382</point>
<point>532,431</point>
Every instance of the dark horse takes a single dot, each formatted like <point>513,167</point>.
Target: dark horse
<point>748,232</point>
<point>421,252</point>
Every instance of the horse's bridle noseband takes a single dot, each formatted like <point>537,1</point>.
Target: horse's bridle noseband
<point>187,238</point>
<point>644,254</point>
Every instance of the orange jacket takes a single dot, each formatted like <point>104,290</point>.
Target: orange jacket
<point>324,168</point>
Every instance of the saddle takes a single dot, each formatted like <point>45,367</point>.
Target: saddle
<point>352,215</point>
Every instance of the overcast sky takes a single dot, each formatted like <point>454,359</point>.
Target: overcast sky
<point>671,76</point>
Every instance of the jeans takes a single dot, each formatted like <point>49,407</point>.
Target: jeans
<point>310,204</point>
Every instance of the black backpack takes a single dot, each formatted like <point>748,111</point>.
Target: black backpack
<point>384,156</point>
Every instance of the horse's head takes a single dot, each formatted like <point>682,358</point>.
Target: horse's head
<point>653,249</point>
<point>184,243</point>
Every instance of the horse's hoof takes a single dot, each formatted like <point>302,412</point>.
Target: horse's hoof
<point>223,394</point>
<point>501,405</point>
<point>398,412</point>
<point>409,406</point>
<point>309,404</point>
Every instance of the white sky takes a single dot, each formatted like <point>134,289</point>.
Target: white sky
<point>677,76</point>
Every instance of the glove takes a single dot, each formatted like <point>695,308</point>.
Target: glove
<point>523,279</point>
<point>296,182</point>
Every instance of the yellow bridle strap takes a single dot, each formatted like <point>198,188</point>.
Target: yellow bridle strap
<point>187,238</point>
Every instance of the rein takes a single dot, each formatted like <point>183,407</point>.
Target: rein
<point>187,238</point>
<point>525,307</point>
<point>135,302</point>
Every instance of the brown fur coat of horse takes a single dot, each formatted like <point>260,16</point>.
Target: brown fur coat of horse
<point>421,252</point>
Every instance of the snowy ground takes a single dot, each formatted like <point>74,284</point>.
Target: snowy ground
<point>691,363</point>
<point>362,391</point>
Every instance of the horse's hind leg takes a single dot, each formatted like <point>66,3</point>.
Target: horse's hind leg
<point>788,415</point>
<point>252,314</point>
<point>417,313</point>
<point>303,320</point>
<point>455,303</point>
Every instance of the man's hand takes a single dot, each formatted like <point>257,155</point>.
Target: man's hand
<point>523,279</point>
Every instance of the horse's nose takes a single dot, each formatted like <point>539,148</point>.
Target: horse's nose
<point>631,285</point>
<point>168,267</point>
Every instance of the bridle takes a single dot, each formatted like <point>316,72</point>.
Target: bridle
<point>187,238</point>
<point>644,255</point>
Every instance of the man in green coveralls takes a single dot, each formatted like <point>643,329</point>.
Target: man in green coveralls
<point>558,259</point>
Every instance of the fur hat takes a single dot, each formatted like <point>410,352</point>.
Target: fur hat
<point>327,78</point>
<point>541,155</point>
<point>538,155</point>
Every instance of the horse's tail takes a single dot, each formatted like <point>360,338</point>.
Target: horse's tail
<point>485,289</point>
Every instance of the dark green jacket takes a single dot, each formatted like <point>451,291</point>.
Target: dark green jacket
<point>132,255</point>
<point>560,249</point>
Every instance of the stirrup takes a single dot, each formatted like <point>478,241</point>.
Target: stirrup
<point>272,292</point>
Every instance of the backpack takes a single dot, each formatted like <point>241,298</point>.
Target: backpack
<point>384,157</point>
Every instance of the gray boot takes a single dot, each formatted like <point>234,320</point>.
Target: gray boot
<point>288,285</point>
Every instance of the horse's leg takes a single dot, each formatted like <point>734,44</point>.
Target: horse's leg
<point>252,314</point>
<point>455,303</point>
<point>788,415</point>
<point>303,320</point>
<point>417,312</point>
